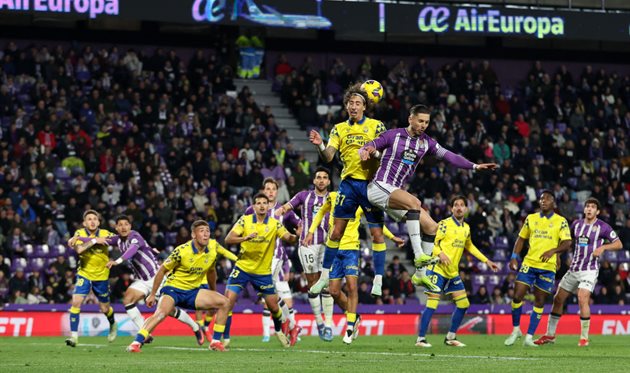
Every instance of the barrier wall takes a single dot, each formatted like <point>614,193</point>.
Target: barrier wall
<point>26,324</point>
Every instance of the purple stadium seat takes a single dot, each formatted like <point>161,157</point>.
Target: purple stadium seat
<point>28,248</point>
<point>37,264</point>
<point>393,227</point>
<point>19,263</point>
<point>501,242</point>
<point>499,255</point>
<point>562,127</point>
<point>611,256</point>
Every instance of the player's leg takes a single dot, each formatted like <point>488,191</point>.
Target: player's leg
<point>309,258</point>
<point>266,321</point>
<point>232,297</point>
<point>585,289</point>
<point>352,318</point>
<point>101,290</point>
<point>272,301</point>
<point>520,289</point>
<point>75,309</point>
<point>536,315</point>
<point>429,229</point>
<point>432,302</point>
<point>556,312</point>
<point>379,254</point>
<point>286,304</point>
<point>332,246</point>
<point>208,299</point>
<point>461,306</point>
<point>132,296</point>
<point>199,318</point>
<point>166,307</point>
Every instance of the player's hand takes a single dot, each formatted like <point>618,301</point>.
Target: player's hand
<point>110,264</point>
<point>279,212</point>
<point>598,252</point>
<point>514,265</point>
<point>398,241</point>
<point>315,138</point>
<point>444,258</point>
<point>547,255</point>
<point>493,266</point>
<point>73,240</point>
<point>308,239</point>
<point>487,166</point>
<point>251,236</point>
<point>150,301</point>
<point>299,229</point>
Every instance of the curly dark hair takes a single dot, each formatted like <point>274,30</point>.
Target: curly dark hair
<point>355,89</point>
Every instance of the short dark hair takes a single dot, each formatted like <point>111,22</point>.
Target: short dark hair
<point>322,169</point>
<point>419,109</point>
<point>260,195</point>
<point>594,201</point>
<point>199,223</point>
<point>547,191</point>
<point>91,212</point>
<point>122,217</point>
<point>457,198</point>
<point>272,181</point>
<point>355,89</point>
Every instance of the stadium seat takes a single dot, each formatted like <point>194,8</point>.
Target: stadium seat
<point>499,255</point>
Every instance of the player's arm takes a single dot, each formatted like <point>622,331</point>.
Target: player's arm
<point>80,244</point>
<point>235,236</point>
<point>439,238</point>
<point>523,235</point>
<point>564,245</point>
<point>295,202</point>
<point>327,153</point>
<point>373,148</point>
<point>133,249</point>
<point>614,243</point>
<point>211,276</point>
<point>317,220</point>
<point>226,253</point>
<point>458,161</point>
<point>285,235</point>
<point>397,240</point>
<point>474,251</point>
<point>159,277</point>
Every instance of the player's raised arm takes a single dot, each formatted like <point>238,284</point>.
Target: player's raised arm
<point>459,161</point>
<point>235,236</point>
<point>327,153</point>
<point>611,246</point>
<point>226,253</point>
<point>397,240</point>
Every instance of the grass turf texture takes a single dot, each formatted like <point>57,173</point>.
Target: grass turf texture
<point>366,354</point>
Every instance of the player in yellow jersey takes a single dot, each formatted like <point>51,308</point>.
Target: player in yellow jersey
<point>548,234</point>
<point>187,267</point>
<point>345,264</point>
<point>257,234</point>
<point>92,274</point>
<point>452,238</point>
<point>347,138</point>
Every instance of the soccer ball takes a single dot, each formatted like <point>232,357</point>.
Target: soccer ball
<point>374,90</point>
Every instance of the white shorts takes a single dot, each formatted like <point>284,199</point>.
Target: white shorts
<point>312,258</point>
<point>283,290</point>
<point>378,194</point>
<point>145,286</point>
<point>572,280</point>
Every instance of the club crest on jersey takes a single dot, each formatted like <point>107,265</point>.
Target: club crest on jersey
<point>365,130</point>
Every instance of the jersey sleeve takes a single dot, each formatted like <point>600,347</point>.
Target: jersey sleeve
<point>298,199</point>
<point>226,253</point>
<point>565,232</point>
<point>380,142</point>
<point>249,210</point>
<point>334,139</point>
<point>610,234</point>
<point>317,219</point>
<point>239,227</point>
<point>280,229</point>
<point>173,260</point>
<point>380,129</point>
<point>441,232</point>
<point>525,231</point>
<point>473,250</point>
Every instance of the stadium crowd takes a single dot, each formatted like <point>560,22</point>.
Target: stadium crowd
<point>160,136</point>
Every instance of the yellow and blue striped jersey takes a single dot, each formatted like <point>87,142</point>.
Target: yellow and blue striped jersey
<point>350,238</point>
<point>256,254</point>
<point>453,238</point>
<point>348,138</point>
<point>544,233</point>
<point>92,262</point>
<point>188,264</point>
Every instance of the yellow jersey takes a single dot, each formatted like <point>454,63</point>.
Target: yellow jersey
<point>92,262</point>
<point>348,138</point>
<point>188,264</point>
<point>256,254</point>
<point>453,238</point>
<point>224,253</point>
<point>544,233</point>
<point>350,238</point>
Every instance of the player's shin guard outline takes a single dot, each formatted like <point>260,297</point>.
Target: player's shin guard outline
<point>428,241</point>
<point>228,326</point>
<point>517,309</point>
<point>462,305</point>
<point>74,318</point>
<point>554,318</point>
<point>217,332</point>
<point>432,304</point>
<point>534,320</point>
<point>585,325</point>
<point>379,253</point>
<point>142,335</point>
<point>413,229</point>
<point>134,315</point>
<point>328,305</point>
<point>277,320</point>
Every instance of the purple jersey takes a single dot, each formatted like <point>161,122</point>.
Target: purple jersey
<point>139,253</point>
<point>401,154</point>
<point>587,238</point>
<point>310,204</point>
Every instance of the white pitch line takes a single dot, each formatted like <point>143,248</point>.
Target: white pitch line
<point>362,353</point>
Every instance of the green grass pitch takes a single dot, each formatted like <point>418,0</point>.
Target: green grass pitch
<point>367,354</point>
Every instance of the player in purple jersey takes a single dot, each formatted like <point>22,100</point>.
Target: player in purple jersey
<point>139,253</point>
<point>312,253</point>
<point>400,151</point>
<point>589,235</point>
<point>280,265</point>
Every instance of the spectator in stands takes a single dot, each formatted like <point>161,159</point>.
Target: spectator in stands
<point>403,288</point>
<point>4,267</point>
<point>481,296</point>
<point>497,296</point>
<point>4,288</point>
<point>60,265</point>
<point>18,282</point>
<point>364,294</point>
<point>16,243</point>
<point>386,298</point>
<point>396,267</point>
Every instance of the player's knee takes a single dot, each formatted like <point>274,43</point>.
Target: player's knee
<point>583,298</point>
<point>415,204</point>
<point>334,292</point>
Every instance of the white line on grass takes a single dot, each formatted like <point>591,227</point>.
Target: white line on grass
<point>361,353</point>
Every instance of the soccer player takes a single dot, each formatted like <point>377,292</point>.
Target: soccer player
<point>187,266</point>
<point>589,235</point>
<point>280,263</point>
<point>400,151</point>
<point>347,137</point>
<point>139,253</point>
<point>257,234</point>
<point>312,255</point>
<point>93,274</point>
<point>453,237</point>
<point>345,265</point>
<point>548,234</point>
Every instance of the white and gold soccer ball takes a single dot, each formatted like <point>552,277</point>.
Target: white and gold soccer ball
<point>374,90</point>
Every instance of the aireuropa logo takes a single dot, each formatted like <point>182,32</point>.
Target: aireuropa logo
<point>92,7</point>
<point>438,19</point>
<point>208,10</point>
